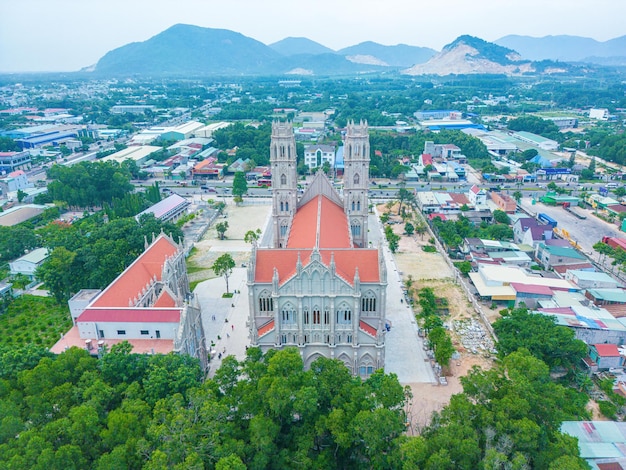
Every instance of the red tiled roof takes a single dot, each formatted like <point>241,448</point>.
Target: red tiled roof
<point>324,215</point>
<point>165,300</point>
<point>567,267</point>
<point>138,275</point>
<point>265,329</point>
<point>427,159</point>
<point>459,199</point>
<point>606,350</point>
<point>130,315</point>
<point>369,329</point>
<point>346,262</point>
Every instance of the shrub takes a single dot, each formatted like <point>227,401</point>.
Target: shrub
<point>608,409</point>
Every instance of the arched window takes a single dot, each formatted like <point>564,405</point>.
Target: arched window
<point>326,316</point>
<point>283,229</point>
<point>355,228</point>
<point>288,315</point>
<point>356,179</point>
<point>353,205</point>
<point>282,206</point>
<point>307,316</point>
<point>358,205</point>
<point>368,302</point>
<point>344,315</point>
<point>266,303</point>
<point>287,206</point>
<point>283,179</point>
<point>316,316</point>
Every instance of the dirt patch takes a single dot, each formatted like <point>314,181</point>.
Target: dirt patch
<point>432,270</point>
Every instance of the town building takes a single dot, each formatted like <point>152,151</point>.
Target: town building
<point>316,155</point>
<point>553,255</point>
<point>319,287</point>
<point>149,305</point>
<point>27,265</point>
<point>11,161</point>
<point>14,181</point>
<point>169,209</point>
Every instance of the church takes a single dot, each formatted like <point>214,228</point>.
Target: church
<point>320,287</point>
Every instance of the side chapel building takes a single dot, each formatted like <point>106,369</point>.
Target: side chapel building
<point>320,287</point>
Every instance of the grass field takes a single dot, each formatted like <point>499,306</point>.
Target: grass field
<point>34,320</point>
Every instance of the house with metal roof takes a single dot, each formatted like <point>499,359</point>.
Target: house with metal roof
<point>550,255</point>
<point>601,443</point>
<point>606,356</point>
<point>606,296</point>
<point>169,209</point>
<point>591,279</point>
<point>591,324</point>
<point>27,265</point>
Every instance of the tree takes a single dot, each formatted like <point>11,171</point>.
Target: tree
<point>223,266</point>
<point>219,207</point>
<point>555,345</point>
<point>501,217</point>
<point>409,228</point>
<point>21,195</point>
<point>221,228</point>
<point>240,185</point>
<point>517,195</point>
<point>252,236</point>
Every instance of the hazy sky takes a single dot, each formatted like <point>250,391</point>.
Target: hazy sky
<point>66,35</point>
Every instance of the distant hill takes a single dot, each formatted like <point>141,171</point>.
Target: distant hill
<point>295,46</point>
<point>565,48</point>
<point>471,55</point>
<point>400,55</point>
<point>187,49</point>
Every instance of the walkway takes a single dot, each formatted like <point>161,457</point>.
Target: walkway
<point>405,355</point>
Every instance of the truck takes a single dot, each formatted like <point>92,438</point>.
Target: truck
<point>546,219</point>
<point>615,242</point>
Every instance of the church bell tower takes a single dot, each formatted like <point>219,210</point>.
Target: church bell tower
<point>284,180</point>
<point>356,152</point>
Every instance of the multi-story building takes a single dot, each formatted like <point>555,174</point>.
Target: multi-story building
<point>316,155</point>
<point>319,287</point>
<point>149,305</point>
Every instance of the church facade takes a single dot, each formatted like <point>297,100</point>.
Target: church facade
<point>319,287</point>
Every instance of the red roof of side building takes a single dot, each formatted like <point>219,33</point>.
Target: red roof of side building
<point>607,350</point>
<point>138,275</point>
<point>320,222</point>
<point>346,262</point>
<point>427,159</point>
<point>165,300</point>
<point>459,198</point>
<point>130,315</point>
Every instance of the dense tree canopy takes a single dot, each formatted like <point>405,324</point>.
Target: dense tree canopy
<point>507,417</point>
<point>90,253</point>
<point>137,411</point>
<point>87,184</point>
<point>553,344</point>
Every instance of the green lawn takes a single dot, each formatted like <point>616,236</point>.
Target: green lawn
<point>34,320</point>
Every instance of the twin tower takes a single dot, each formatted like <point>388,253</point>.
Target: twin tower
<point>356,151</point>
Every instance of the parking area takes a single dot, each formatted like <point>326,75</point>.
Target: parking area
<point>585,232</point>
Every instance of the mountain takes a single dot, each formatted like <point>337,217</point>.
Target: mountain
<point>186,49</point>
<point>471,55</point>
<point>295,46</point>
<point>399,55</point>
<point>565,48</point>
